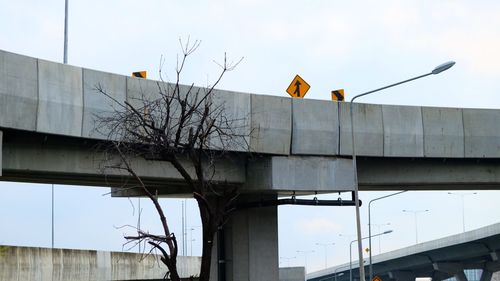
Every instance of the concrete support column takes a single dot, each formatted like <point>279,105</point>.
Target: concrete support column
<point>402,275</point>
<point>486,275</point>
<point>457,269</point>
<point>251,246</point>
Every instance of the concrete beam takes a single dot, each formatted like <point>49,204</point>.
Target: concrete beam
<point>271,124</point>
<point>403,131</point>
<point>18,91</point>
<point>368,129</point>
<point>60,99</point>
<point>427,173</point>
<point>97,104</point>
<point>299,173</point>
<point>443,132</point>
<point>400,275</point>
<point>482,133</point>
<point>457,269</point>
<point>315,127</point>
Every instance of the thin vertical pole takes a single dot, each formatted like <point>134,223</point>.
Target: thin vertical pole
<point>183,230</point>
<point>139,219</point>
<point>65,59</point>
<point>52,216</point>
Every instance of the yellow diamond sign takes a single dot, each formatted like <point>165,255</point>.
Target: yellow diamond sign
<point>298,88</point>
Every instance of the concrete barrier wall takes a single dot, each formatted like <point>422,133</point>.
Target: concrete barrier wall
<point>45,264</point>
<point>49,97</point>
<point>292,274</point>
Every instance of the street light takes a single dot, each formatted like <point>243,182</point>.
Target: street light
<point>370,228</point>
<point>415,212</point>
<point>325,245</point>
<point>305,256</point>
<point>438,69</point>
<point>462,195</point>
<point>362,262</point>
<point>288,259</point>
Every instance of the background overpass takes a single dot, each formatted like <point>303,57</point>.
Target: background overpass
<point>440,259</point>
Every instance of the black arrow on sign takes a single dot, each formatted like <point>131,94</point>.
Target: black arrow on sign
<point>297,88</point>
<point>339,96</point>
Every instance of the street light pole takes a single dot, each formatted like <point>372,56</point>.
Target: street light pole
<point>65,57</point>
<point>362,263</point>
<point>325,245</point>
<point>462,195</point>
<point>370,227</point>
<point>305,256</point>
<point>440,68</point>
<point>415,212</point>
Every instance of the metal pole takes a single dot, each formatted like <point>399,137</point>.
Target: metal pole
<point>65,58</point>
<point>139,219</point>
<point>350,251</point>
<point>370,228</point>
<point>436,70</point>
<point>183,238</point>
<point>52,216</point>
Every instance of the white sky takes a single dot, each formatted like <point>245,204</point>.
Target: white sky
<point>355,45</point>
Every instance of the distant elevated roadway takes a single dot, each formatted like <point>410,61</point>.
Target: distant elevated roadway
<point>438,259</point>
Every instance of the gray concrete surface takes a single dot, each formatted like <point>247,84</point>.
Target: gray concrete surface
<point>60,99</point>
<point>299,173</point>
<point>45,264</point>
<point>292,274</point>
<point>443,132</point>
<point>271,124</point>
<point>482,133</point>
<point>369,129</point>
<point>96,105</point>
<point>18,91</point>
<point>49,97</point>
<point>252,245</point>
<point>315,127</point>
<point>403,131</point>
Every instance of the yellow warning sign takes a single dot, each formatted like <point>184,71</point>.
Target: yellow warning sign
<point>338,95</point>
<point>139,74</point>
<point>298,88</point>
<point>376,278</point>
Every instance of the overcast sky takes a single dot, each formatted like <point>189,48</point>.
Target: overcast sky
<point>355,45</point>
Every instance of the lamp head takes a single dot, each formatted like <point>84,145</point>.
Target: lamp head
<point>442,67</point>
<point>387,232</point>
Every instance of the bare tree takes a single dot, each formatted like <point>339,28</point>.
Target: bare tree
<point>179,123</point>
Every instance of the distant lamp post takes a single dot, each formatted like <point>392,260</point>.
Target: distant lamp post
<point>370,228</point>
<point>325,246</point>
<point>287,259</point>
<point>438,69</point>
<point>305,253</point>
<point>415,212</point>
<point>462,195</point>
<point>362,262</point>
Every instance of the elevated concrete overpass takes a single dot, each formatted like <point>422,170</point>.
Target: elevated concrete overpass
<point>439,259</point>
<point>47,121</point>
<point>47,113</point>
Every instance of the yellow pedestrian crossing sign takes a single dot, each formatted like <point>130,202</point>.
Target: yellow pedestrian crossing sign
<point>298,88</point>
